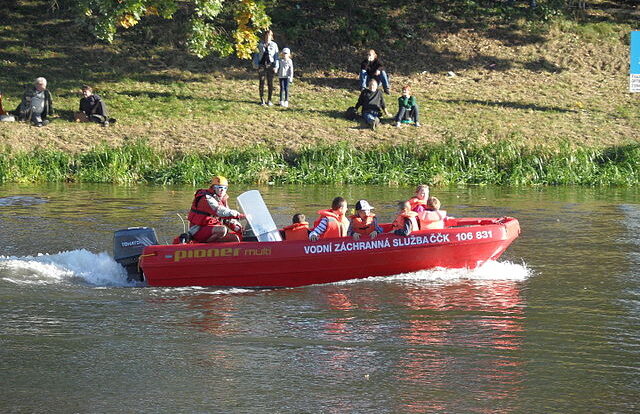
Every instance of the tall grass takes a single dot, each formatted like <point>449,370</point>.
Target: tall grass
<point>465,162</point>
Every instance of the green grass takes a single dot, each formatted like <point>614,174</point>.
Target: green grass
<point>501,163</point>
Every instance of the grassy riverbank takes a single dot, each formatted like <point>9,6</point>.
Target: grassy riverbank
<point>487,78</point>
<point>449,163</point>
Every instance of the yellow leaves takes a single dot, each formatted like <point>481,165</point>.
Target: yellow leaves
<point>127,20</point>
<point>152,11</point>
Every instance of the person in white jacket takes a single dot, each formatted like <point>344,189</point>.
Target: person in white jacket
<point>285,76</point>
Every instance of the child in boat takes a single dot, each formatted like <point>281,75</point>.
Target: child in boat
<point>364,223</point>
<point>331,222</point>
<point>419,201</point>
<point>299,230</point>
<point>407,221</point>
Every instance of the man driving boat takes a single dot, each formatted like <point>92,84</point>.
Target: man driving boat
<point>210,218</point>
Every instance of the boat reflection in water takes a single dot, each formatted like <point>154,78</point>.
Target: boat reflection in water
<point>435,338</point>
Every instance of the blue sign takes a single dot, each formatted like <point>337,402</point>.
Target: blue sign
<point>635,53</point>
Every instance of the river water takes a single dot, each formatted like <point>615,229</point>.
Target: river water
<point>553,326</point>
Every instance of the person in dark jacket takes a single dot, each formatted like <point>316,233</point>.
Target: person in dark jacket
<point>372,102</point>
<point>36,105</point>
<point>92,108</point>
<point>371,68</point>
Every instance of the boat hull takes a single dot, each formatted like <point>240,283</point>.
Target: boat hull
<point>296,263</point>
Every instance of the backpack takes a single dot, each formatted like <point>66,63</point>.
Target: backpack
<point>351,114</point>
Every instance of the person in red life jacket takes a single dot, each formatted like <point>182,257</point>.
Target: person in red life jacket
<point>210,217</point>
<point>299,230</point>
<point>331,222</point>
<point>407,220</point>
<point>419,201</point>
<point>364,223</point>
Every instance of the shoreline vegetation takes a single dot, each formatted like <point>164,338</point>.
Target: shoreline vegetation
<point>507,94</point>
<point>440,164</point>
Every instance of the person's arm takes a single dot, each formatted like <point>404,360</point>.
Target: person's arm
<point>49,99</point>
<point>377,226</point>
<point>383,105</point>
<point>360,100</point>
<point>319,229</point>
<point>291,73</point>
<point>221,210</point>
<point>406,230</point>
<point>350,229</point>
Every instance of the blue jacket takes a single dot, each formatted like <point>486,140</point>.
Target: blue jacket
<point>272,55</point>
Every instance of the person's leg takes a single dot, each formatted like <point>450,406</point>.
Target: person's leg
<point>281,81</point>
<point>97,118</point>
<point>401,113</point>
<point>286,91</point>
<point>261,75</point>
<point>415,114</point>
<point>270,75</point>
<point>364,78</point>
<point>369,117</point>
<point>384,80</point>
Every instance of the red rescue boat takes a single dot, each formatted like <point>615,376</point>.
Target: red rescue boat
<point>464,243</point>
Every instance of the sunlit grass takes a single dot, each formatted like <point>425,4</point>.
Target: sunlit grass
<point>466,162</point>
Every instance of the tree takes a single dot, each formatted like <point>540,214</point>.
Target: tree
<point>206,32</point>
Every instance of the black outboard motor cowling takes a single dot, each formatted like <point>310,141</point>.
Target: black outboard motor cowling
<point>128,245</point>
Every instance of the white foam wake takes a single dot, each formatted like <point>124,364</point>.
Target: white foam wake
<point>97,269</point>
<point>491,270</point>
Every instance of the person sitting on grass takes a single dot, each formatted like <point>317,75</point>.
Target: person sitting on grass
<point>371,68</point>
<point>407,107</point>
<point>298,230</point>
<point>364,223</point>
<point>407,221</point>
<point>372,102</point>
<point>92,108</point>
<point>4,116</point>
<point>331,222</point>
<point>36,105</point>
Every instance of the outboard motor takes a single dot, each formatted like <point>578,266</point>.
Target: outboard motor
<point>128,245</point>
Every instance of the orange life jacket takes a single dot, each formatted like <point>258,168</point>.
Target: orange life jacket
<point>363,227</point>
<point>412,216</point>
<point>415,202</point>
<point>432,219</point>
<point>337,224</point>
<point>201,213</point>
<point>297,231</point>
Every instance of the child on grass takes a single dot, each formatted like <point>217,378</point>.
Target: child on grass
<point>407,107</point>
<point>285,76</point>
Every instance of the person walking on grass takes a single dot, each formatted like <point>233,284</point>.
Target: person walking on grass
<point>372,102</point>
<point>285,76</point>
<point>266,61</point>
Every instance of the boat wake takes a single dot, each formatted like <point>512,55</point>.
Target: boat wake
<point>489,271</point>
<point>98,269</point>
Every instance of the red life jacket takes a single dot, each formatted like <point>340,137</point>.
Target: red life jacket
<point>363,227</point>
<point>415,202</point>
<point>432,219</point>
<point>412,216</point>
<point>337,224</point>
<point>297,231</point>
<point>201,213</point>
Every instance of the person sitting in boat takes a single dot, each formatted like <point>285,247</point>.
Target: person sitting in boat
<point>210,217</point>
<point>331,222</point>
<point>407,220</point>
<point>299,230</point>
<point>419,201</point>
<point>364,222</point>
<point>432,217</point>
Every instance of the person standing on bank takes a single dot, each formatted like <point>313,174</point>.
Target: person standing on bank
<point>285,76</point>
<point>266,61</point>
